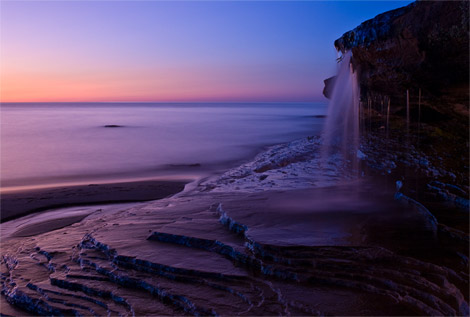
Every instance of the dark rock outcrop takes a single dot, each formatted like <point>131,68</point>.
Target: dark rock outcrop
<point>420,51</point>
<point>423,45</point>
<point>328,89</point>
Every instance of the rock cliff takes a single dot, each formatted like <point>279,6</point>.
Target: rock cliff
<point>422,49</point>
<point>423,45</point>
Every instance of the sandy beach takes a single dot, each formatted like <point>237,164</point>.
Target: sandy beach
<point>21,203</point>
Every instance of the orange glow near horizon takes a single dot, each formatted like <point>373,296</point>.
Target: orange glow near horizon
<point>144,86</point>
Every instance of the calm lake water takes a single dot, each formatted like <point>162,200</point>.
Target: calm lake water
<point>58,144</point>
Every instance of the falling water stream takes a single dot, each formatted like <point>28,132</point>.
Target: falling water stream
<point>341,131</point>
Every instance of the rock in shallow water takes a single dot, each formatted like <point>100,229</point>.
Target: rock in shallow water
<point>113,126</point>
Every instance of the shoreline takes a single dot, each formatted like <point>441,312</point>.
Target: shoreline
<point>18,204</point>
<point>20,201</point>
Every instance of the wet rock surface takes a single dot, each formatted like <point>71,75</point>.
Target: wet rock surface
<point>100,274</point>
<point>220,251</point>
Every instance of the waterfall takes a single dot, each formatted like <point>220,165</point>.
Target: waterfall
<point>341,131</point>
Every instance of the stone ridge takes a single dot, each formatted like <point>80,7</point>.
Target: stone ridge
<point>374,29</point>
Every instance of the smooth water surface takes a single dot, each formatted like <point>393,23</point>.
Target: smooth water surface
<point>44,144</point>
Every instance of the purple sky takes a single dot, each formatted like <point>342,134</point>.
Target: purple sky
<point>173,51</point>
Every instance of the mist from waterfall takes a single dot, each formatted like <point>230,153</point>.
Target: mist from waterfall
<point>341,131</point>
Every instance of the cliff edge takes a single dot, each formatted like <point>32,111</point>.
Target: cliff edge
<point>420,51</point>
<point>424,45</point>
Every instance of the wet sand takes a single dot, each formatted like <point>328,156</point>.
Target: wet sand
<point>50,220</point>
<point>47,226</point>
<point>21,203</point>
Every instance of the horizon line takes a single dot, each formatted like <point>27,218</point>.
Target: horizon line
<point>175,102</point>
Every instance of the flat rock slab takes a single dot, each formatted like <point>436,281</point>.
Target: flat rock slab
<point>223,253</point>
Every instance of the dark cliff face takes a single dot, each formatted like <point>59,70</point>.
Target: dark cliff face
<point>423,45</point>
<point>422,48</point>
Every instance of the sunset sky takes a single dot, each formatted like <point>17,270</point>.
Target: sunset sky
<point>173,51</point>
